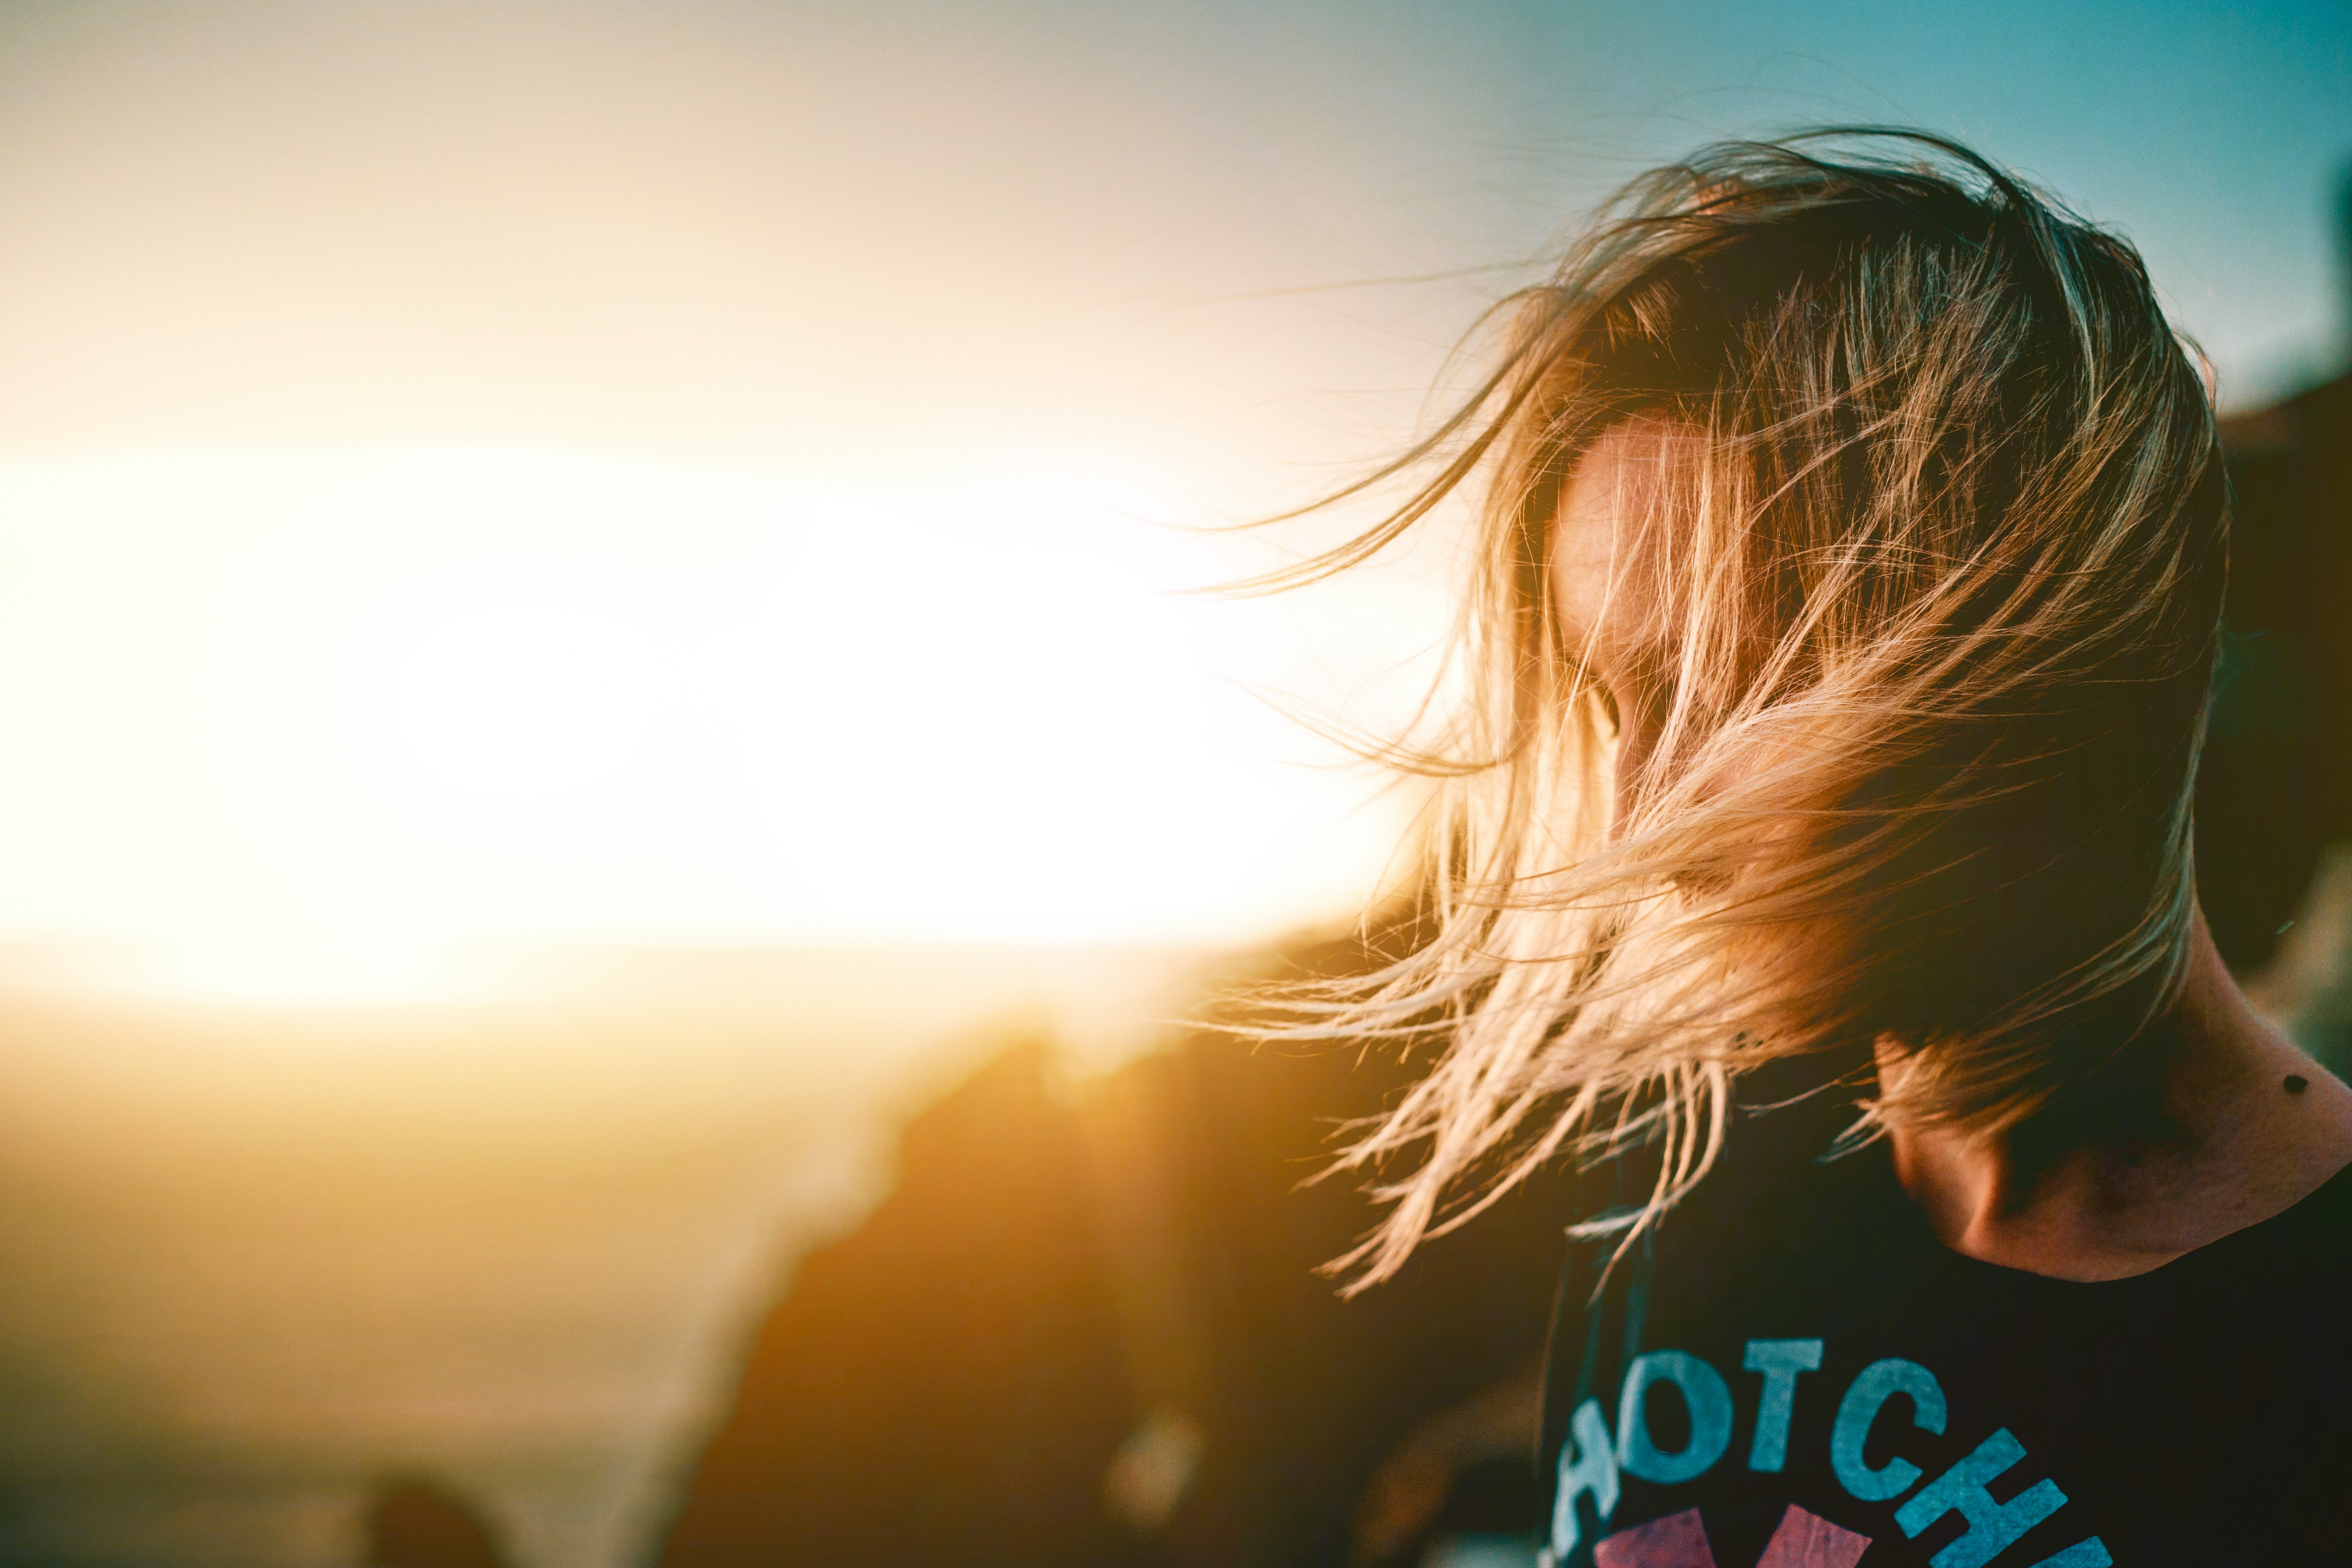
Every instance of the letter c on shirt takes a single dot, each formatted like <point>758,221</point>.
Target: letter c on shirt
<point>1704,1394</point>
<point>1879,1382</point>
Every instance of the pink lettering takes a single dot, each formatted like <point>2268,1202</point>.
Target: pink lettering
<point>1807,1541</point>
<point>1679,1540</point>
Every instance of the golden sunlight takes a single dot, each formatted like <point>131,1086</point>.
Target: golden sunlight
<point>298,726</point>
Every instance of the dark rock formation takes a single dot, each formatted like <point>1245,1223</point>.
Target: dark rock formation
<point>945,1384</point>
<point>417,1523</point>
<point>2276,785</point>
<point>1088,1329</point>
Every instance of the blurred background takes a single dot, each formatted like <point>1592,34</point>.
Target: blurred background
<point>594,615</point>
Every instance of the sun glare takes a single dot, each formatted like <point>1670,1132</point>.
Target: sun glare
<point>525,700</point>
<point>298,966</point>
<point>301,724</point>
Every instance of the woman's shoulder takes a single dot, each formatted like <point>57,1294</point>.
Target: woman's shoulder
<point>2305,1251</point>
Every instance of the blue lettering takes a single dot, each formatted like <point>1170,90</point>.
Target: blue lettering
<point>1779,1361</point>
<point>1587,1463</point>
<point>1704,1397</point>
<point>1992,1526</point>
<point>1879,1382</point>
<point>2091,1553</point>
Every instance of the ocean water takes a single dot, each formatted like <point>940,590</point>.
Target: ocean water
<point>256,1260</point>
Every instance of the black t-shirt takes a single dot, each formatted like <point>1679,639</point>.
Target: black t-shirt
<point>1796,1373</point>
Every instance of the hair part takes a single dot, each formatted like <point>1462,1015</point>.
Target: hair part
<point>1934,546</point>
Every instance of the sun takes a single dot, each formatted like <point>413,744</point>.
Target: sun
<point>306,724</point>
<point>524,700</point>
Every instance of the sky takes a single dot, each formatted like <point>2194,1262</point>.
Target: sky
<point>709,471</point>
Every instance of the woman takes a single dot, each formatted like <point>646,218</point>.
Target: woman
<point>1814,868</point>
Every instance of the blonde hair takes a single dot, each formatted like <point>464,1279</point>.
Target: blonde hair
<point>1939,562</point>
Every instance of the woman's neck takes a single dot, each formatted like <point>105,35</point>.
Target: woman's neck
<point>2245,1126</point>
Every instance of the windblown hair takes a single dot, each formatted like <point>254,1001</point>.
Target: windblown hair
<point>1935,548</point>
